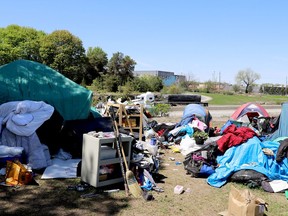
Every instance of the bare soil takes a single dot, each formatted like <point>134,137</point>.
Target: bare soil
<point>52,197</point>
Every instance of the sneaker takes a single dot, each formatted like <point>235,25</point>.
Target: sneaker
<point>137,157</point>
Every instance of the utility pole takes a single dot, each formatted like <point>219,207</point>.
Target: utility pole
<point>286,87</point>
<point>219,80</point>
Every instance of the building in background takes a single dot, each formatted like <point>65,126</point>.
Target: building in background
<point>169,78</point>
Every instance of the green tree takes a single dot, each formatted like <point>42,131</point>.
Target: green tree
<point>127,89</point>
<point>139,84</point>
<point>155,83</point>
<point>247,77</point>
<point>64,52</point>
<point>96,66</point>
<point>122,67</point>
<point>97,84</point>
<point>18,42</point>
<point>110,82</point>
<point>147,83</point>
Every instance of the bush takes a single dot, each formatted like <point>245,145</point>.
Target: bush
<point>173,89</point>
<point>228,93</point>
<point>160,109</point>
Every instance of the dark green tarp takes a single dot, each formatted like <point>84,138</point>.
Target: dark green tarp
<point>28,80</point>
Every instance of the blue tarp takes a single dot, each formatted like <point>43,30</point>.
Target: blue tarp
<point>249,155</point>
<point>282,130</point>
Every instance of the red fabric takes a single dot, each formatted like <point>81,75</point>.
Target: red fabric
<point>160,132</point>
<point>233,136</point>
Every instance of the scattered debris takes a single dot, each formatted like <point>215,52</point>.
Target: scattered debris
<point>178,189</point>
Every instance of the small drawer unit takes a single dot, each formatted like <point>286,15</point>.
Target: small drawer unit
<point>100,160</point>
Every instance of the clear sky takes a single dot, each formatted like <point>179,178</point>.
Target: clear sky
<point>202,39</point>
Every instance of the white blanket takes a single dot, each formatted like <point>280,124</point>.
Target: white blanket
<point>23,118</point>
<point>20,120</point>
<point>6,151</point>
<point>37,154</point>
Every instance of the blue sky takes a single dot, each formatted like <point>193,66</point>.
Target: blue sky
<point>201,39</point>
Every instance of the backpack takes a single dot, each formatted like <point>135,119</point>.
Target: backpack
<point>265,125</point>
<point>202,162</point>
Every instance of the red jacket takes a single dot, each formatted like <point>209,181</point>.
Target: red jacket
<point>233,136</point>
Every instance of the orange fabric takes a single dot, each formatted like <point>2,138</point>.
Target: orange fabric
<point>17,174</point>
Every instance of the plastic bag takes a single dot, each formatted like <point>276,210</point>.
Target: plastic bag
<point>17,174</point>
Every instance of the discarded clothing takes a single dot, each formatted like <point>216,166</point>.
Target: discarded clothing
<point>163,129</point>
<point>196,123</point>
<point>249,155</point>
<point>234,136</point>
<point>6,151</point>
<point>36,154</point>
<point>282,150</point>
<point>23,118</point>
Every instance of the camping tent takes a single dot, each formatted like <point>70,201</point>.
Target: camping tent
<point>28,80</point>
<point>248,111</point>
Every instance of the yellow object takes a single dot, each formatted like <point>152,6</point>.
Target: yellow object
<point>132,122</point>
<point>17,174</point>
<point>175,149</point>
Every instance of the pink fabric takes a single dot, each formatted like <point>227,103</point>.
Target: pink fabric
<point>198,124</point>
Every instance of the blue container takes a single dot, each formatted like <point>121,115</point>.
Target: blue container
<point>153,141</point>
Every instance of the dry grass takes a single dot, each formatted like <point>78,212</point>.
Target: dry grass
<point>51,197</point>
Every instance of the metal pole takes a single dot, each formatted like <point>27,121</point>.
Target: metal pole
<point>219,80</point>
<point>286,87</point>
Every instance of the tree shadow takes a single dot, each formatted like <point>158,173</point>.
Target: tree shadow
<point>52,197</point>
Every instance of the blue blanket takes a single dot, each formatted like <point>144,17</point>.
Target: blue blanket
<point>249,155</point>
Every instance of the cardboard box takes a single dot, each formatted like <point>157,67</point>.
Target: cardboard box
<point>244,203</point>
<point>132,121</point>
<point>103,177</point>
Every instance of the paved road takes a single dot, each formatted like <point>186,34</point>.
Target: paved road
<point>224,112</point>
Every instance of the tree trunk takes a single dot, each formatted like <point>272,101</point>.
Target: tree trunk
<point>246,89</point>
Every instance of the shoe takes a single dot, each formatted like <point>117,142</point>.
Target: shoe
<point>137,157</point>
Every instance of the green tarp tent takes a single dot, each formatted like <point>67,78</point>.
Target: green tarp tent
<point>28,80</point>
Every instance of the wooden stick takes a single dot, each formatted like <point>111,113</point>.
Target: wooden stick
<point>127,119</point>
<point>132,183</point>
<point>115,126</point>
<point>141,123</point>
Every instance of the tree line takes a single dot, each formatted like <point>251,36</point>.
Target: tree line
<point>65,53</point>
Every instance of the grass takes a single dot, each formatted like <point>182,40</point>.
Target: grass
<point>51,197</point>
<point>222,99</point>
